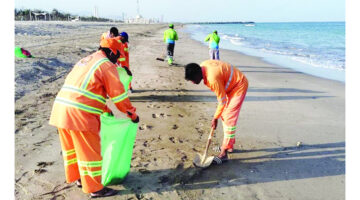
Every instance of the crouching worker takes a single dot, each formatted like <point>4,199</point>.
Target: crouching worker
<point>76,113</point>
<point>230,87</point>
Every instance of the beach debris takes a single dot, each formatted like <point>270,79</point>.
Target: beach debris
<point>144,171</point>
<point>299,144</point>
<point>175,126</point>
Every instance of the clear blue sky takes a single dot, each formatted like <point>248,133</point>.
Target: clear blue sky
<point>201,10</point>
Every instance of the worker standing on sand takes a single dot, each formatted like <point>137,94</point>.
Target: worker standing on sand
<point>114,32</point>
<point>170,36</point>
<point>124,58</point>
<point>230,87</point>
<point>76,112</point>
<point>214,40</point>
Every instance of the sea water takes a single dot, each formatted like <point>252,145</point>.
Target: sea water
<point>316,48</point>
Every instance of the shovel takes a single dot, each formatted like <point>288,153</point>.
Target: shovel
<point>201,160</point>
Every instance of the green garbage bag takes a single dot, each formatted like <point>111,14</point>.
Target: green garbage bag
<point>18,53</point>
<point>117,143</point>
<point>124,78</point>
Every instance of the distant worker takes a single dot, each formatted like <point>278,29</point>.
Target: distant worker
<point>76,113</point>
<point>114,32</point>
<point>170,36</point>
<point>124,57</point>
<point>214,40</point>
<point>230,87</point>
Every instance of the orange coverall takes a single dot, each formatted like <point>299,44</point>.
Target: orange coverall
<point>76,113</point>
<point>230,87</point>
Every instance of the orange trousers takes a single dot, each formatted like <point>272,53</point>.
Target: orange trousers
<point>229,118</point>
<point>82,158</point>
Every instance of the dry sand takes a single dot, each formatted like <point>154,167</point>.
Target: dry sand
<point>282,107</point>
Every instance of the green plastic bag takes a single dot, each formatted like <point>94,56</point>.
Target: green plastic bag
<point>124,78</point>
<point>18,53</point>
<point>117,143</point>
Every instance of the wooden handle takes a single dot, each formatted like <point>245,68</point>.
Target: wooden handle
<point>207,145</point>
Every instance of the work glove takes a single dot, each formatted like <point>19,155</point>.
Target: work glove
<point>127,70</point>
<point>214,123</point>
<point>134,118</point>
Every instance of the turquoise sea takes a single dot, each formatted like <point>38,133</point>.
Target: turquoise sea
<point>316,48</point>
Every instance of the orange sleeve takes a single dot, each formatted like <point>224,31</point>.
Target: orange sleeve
<point>218,88</point>
<point>116,91</point>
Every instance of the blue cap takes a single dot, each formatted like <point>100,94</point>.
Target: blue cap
<point>125,35</point>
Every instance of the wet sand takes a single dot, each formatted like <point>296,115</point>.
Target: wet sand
<point>282,107</point>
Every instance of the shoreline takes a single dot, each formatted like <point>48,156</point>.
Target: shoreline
<point>282,61</point>
<point>282,107</point>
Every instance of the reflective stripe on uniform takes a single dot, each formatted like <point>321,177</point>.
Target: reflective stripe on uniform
<point>229,135</point>
<point>91,72</point>
<point>119,98</point>
<point>86,93</point>
<point>122,59</point>
<point>231,75</point>
<point>90,173</point>
<point>126,49</point>
<point>229,128</point>
<point>90,163</point>
<point>80,106</point>
<point>70,162</point>
<point>69,152</point>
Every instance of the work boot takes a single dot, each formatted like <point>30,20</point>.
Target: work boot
<point>78,183</point>
<point>105,192</point>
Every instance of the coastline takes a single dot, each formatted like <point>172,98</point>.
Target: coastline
<point>283,59</point>
<point>282,107</point>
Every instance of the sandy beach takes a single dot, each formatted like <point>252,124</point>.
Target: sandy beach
<point>282,108</point>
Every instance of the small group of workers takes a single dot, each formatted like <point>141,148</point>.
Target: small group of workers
<point>170,35</point>
<point>82,99</point>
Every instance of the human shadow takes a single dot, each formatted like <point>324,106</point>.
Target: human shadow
<point>208,98</point>
<point>254,166</point>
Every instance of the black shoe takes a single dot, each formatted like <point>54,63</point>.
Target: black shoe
<point>105,192</point>
<point>78,183</point>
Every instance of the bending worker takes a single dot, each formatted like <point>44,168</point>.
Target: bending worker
<point>170,36</point>
<point>76,113</point>
<point>230,86</point>
<point>214,40</point>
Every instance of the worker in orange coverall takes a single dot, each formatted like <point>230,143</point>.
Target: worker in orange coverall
<point>124,57</point>
<point>76,113</point>
<point>113,32</point>
<point>230,87</point>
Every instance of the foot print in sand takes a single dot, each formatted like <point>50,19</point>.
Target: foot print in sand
<point>175,127</point>
<point>162,115</point>
<point>172,139</point>
<point>144,127</point>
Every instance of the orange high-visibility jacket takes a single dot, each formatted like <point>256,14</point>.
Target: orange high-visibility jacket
<point>82,99</point>
<point>224,80</point>
<point>105,35</point>
<point>124,59</point>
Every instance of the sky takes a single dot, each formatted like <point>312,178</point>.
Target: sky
<point>200,10</point>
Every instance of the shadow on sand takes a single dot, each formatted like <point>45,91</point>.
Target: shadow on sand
<point>255,166</point>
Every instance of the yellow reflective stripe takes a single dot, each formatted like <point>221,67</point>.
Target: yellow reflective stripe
<point>90,163</point>
<point>229,135</point>
<point>119,98</point>
<point>92,71</point>
<point>69,152</point>
<point>126,49</point>
<point>229,128</point>
<point>72,161</point>
<point>80,106</point>
<point>122,59</point>
<point>86,93</point>
<point>90,173</point>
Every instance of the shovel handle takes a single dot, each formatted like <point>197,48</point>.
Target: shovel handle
<point>207,145</point>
